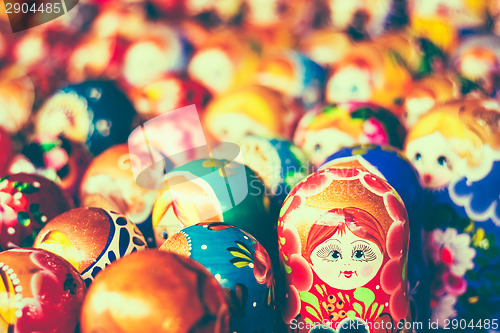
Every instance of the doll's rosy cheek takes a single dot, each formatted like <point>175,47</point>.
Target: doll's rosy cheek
<point>367,270</point>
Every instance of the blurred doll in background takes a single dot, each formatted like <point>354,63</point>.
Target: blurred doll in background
<point>453,140</point>
<point>427,92</point>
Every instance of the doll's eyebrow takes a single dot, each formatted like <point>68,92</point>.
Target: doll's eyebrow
<point>331,240</point>
<point>360,240</point>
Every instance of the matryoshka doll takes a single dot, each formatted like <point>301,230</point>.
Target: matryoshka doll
<point>456,149</point>
<point>17,95</point>
<point>272,25</point>
<point>155,291</point>
<point>96,113</point>
<point>209,190</point>
<point>390,164</point>
<point>252,110</point>
<point>343,243</point>
<point>326,47</point>
<point>294,75</point>
<point>57,158</point>
<point>223,61</point>
<point>420,56</point>
<point>266,14</point>
<point>240,264</point>
<point>109,183</point>
<point>322,132</point>
<point>427,92</point>
<point>41,292</point>
<point>27,203</point>
<point>7,152</point>
<point>443,22</point>
<point>369,73</point>
<point>160,50</point>
<point>217,12</point>
<point>477,61</point>
<point>99,53</point>
<point>494,15</point>
<point>453,140</point>
<point>95,57</point>
<point>279,163</point>
<point>363,17</point>
<point>167,93</point>
<point>90,239</point>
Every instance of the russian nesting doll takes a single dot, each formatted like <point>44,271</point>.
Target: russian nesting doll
<point>456,149</point>
<point>343,241</point>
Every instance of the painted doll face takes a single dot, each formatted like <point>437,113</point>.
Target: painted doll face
<point>349,84</point>
<point>67,114</point>
<point>342,12</point>
<point>213,69</point>
<point>187,202</point>
<point>441,8</point>
<point>144,62</point>
<point>263,159</point>
<point>346,261</point>
<point>318,145</point>
<point>415,107</point>
<point>233,126</point>
<point>481,66</point>
<point>435,160</point>
<point>264,12</point>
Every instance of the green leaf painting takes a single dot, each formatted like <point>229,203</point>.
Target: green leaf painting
<point>242,255</point>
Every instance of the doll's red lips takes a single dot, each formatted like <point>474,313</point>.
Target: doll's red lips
<point>348,274</point>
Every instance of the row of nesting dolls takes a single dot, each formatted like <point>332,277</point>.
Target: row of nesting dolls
<point>152,58</point>
<point>212,277</point>
<point>454,147</point>
<point>370,80</point>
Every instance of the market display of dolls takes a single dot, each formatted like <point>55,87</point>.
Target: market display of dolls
<point>250,166</point>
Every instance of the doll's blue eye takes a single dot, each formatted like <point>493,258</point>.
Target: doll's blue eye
<point>335,255</point>
<point>317,147</point>
<point>442,161</point>
<point>354,89</point>
<point>358,254</point>
<point>418,156</point>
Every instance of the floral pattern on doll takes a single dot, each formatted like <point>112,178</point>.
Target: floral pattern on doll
<point>464,254</point>
<point>16,226</point>
<point>453,250</point>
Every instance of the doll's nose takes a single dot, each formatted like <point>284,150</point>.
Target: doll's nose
<point>427,178</point>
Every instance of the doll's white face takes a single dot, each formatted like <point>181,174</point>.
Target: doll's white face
<point>213,69</point>
<point>229,127</point>
<point>454,12</point>
<point>349,84</point>
<point>346,261</point>
<point>435,160</point>
<point>261,157</point>
<point>479,68</point>
<point>263,12</point>
<point>415,107</point>
<point>342,12</point>
<point>433,8</point>
<point>64,113</point>
<point>318,145</point>
<point>144,62</point>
